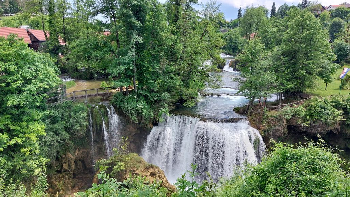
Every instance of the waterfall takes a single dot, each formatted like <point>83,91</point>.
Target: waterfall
<point>92,137</point>
<point>113,128</point>
<point>106,131</point>
<point>216,148</point>
<point>106,138</point>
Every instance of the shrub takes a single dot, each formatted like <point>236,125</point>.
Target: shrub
<point>312,170</point>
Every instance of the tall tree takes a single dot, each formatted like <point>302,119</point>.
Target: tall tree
<point>53,44</point>
<point>282,10</point>
<point>304,4</point>
<point>26,77</point>
<point>256,68</point>
<point>336,28</point>
<point>110,9</point>
<point>304,52</point>
<point>273,10</point>
<point>239,15</point>
<point>253,20</point>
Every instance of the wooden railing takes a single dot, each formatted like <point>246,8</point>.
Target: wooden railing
<point>61,95</point>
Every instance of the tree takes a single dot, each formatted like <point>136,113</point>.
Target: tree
<point>110,9</point>
<point>273,10</point>
<point>325,19</point>
<point>282,10</point>
<point>253,21</point>
<point>341,49</point>
<point>91,54</point>
<point>10,6</point>
<point>256,69</point>
<point>53,44</point>
<point>26,76</point>
<point>336,28</point>
<point>239,15</point>
<point>340,12</point>
<point>303,49</point>
<point>234,42</point>
<point>310,170</point>
<point>304,4</point>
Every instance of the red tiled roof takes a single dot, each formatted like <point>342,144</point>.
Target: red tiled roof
<point>21,33</point>
<point>39,34</point>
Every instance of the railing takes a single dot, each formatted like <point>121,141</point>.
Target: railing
<point>61,95</point>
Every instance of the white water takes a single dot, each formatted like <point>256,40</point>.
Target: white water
<point>216,148</point>
<point>110,130</point>
<point>92,137</point>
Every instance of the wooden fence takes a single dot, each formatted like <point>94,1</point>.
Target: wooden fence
<point>60,94</point>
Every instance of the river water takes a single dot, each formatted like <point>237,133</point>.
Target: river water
<point>214,138</point>
<point>215,146</point>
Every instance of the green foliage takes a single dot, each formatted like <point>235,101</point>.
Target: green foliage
<point>303,171</point>
<point>191,188</point>
<point>252,21</point>
<point>161,54</point>
<point>283,10</point>
<point>69,84</point>
<point>273,10</point>
<point>26,77</point>
<point>316,110</point>
<point>131,187</point>
<point>325,19</point>
<point>64,129</point>
<point>336,28</point>
<point>234,42</point>
<point>256,69</point>
<point>340,12</point>
<point>304,53</point>
<point>317,116</point>
<point>136,107</point>
<point>91,55</point>
<point>344,83</point>
<point>341,49</point>
<point>10,6</point>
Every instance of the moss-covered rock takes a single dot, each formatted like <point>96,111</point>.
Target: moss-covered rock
<point>124,166</point>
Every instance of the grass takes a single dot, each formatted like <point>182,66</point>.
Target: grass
<point>332,88</point>
<point>69,84</point>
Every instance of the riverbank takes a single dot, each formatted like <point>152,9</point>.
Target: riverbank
<point>301,121</point>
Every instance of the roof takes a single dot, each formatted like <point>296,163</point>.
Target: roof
<point>21,33</point>
<point>39,34</point>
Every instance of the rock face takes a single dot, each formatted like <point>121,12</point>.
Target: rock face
<point>136,166</point>
<point>74,172</point>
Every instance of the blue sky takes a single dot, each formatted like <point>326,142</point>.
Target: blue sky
<point>230,7</point>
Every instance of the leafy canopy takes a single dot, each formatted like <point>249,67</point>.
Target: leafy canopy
<point>25,78</point>
<point>310,170</point>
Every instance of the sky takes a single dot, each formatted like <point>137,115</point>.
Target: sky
<point>230,7</point>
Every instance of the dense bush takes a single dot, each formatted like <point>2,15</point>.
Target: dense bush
<point>315,116</point>
<point>130,187</point>
<point>303,171</point>
<point>64,128</point>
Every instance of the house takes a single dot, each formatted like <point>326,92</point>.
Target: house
<point>333,7</point>
<point>34,38</point>
<point>21,33</point>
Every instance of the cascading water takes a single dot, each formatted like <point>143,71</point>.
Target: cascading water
<point>92,137</point>
<point>109,127</point>
<point>113,128</point>
<point>216,148</point>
